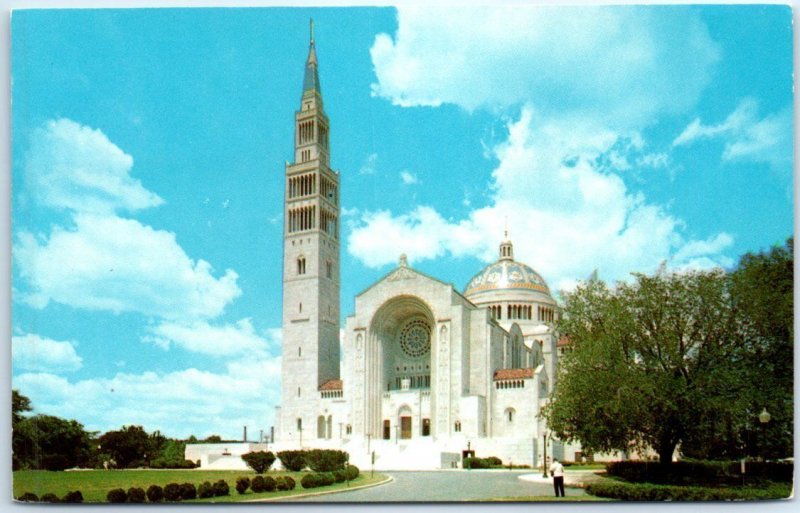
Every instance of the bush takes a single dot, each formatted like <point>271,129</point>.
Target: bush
<point>326,460</point>
<point>654,492</point>
<point>293,460</point>
<point>270,484</point>
<point>257,484</point>
<point>221,488</point>
<point>188,492</point>
<point>340,476</point>
<point>28,497</point>
<point>155,493</point>
<point>205,490</point>
<point>117,495</point>
<point>259,461</point>
<point>699,473</point>
<point>310,481</point>
<point>136,494</point>
<point>172,492</point>
<point>284,483</point>
<point>242,484</point>
<point>168,463</point>
<point>352,472</point>
<point>75,497</point>
<point>50,497</point>
<point>494,461</point>
<point>490,462</point>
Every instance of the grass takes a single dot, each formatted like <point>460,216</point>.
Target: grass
<point>549,498</point>
<point>95,484</point>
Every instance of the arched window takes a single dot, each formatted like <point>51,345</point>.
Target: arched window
<point>510,415</point>
<point>301,265</point>
<point>320,427</point>
<point>457,426</point>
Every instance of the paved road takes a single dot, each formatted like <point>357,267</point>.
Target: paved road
<point>444,486</point>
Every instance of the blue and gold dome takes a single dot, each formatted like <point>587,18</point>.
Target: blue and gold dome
<point>506,274</point>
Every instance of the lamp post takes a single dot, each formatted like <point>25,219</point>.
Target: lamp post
<point>544,457</point>
<point>764,418</point>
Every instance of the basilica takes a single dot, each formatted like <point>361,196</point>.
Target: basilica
<point>425,373</point>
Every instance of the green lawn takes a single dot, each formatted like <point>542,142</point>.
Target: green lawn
<point>95,484</point>
<point>549,498</point>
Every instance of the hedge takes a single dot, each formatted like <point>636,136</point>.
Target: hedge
<point>270,484</point>
<point>50,497</point>
<point>172,492</point>
<point>136,494</point>
<point>242,484</point>
<point>699,473</point>
<point>352,472</point>
<point>155,493</point>
<point>490,462</point>
<point>117,495</point>
<point>75,497</point>
<point>259,461</point>
<point>293,460</point>
<point>28,497</point>
<point>655,492</point>
<point>205,490</point>
<point>326,460</point>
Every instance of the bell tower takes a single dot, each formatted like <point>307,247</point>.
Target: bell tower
<point>310,346</point>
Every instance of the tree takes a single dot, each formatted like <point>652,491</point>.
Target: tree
<point>128,446</point>
<point>50,443</point>
<point>653,363</point>
<point>763,294</point>
<point>19,405</point>
<point>259,461</point>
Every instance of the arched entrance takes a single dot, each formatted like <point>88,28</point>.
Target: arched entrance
<point>398,360</point>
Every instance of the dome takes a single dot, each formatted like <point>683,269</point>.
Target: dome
<point>506,274</point>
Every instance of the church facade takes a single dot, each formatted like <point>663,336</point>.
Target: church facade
<point>425,371</point>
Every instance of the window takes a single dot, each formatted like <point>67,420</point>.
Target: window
<point>300,308</point>
<point>320,427</point>
<point>426,427</point>
<point>387,430</point>
<point>299,424</point>
<point>349,429</point>
<point>329,269</point>
<point>457,426</point>
<point>298,391</point>
<point>299,351</point>
<point>301,265</point>
<point>510,414</point>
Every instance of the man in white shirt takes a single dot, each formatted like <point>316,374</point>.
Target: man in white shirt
<point>557,471</point>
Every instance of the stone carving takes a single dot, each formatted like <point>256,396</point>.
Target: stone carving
<point>402,273</point>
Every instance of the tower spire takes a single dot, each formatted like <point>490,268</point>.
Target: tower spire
<point>506,248</point>
<point>311,78</point>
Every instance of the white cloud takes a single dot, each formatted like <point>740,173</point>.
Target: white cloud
<point>226,340</point>
<point>747,136</point>
<point>72,166</point>
<point>177,403</point>
<point>369,165</point>
<point>32,352</point>
<point>567,213</point>
<point>408,178</point>
<point>618,64</point>
<point>114,264</point>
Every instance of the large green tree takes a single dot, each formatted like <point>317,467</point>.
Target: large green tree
<point>652,363</point>
<point>128,446</point>
<point>50,443</point>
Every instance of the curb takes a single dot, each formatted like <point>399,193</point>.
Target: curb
<point>388,480</point>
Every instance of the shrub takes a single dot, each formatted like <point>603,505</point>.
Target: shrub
<point>326,460</point>
<point>259,461</point>
<point>188,491</point>
<point>269,484</point>
<point>257,484</point>
<point>310,481</point>
<point>50,497</point>
<point>352,472</point>
<point>28,497</point>
<point>340,475</point>
<point>221,488</point>
<point>284,483</point>
<point>136,494</point>
<point>696,472</point>
<point>242,484</point>
<point>75,497</point>
<point>205,490</point>
<point>494,461</point>
<point>155,493</point>
<point>293,460</point>
<point>117,495</point>
<point>172,463</point>
<point>172,492</point>
<point>654,492</point>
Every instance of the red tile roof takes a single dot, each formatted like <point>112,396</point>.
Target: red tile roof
<point>331,384</point>
<point>513,374</point>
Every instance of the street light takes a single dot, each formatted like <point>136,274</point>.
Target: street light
<point>544,457</point>
<point>764,418</point>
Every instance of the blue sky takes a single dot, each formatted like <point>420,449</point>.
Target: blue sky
<point>148,149</point>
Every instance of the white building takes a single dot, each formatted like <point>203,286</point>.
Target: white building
<point>427,371</point>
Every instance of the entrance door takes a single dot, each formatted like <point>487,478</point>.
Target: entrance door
<point>387,432</point>
<point>405,427</point>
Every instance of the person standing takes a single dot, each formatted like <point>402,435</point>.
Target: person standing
<point>557,472</point>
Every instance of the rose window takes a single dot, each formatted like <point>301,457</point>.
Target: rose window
<point>415,338</point>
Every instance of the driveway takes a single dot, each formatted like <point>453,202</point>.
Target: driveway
<point>446,486</point>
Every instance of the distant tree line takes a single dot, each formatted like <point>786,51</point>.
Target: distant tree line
<point>45,442</point>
